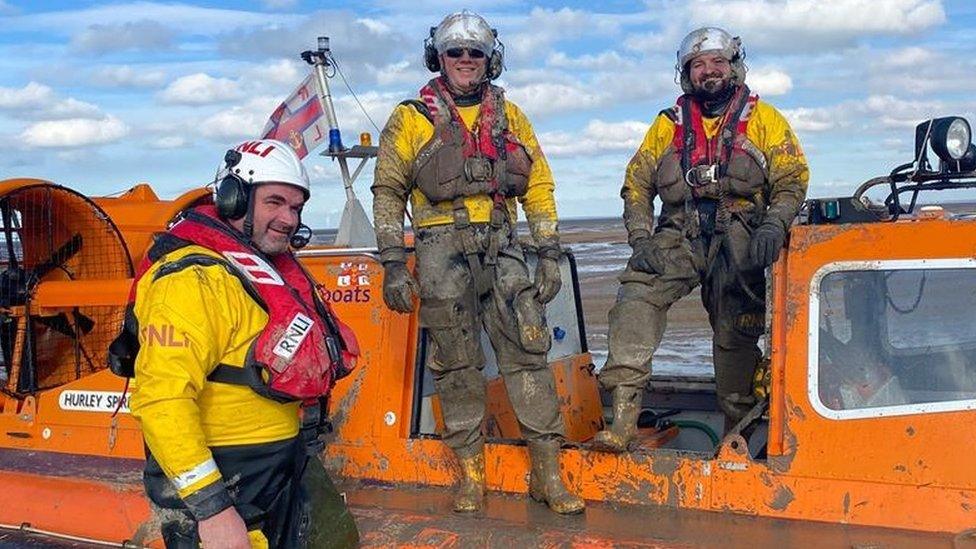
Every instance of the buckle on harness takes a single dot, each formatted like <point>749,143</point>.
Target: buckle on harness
<point>477,168</point>
<point>701,175</point>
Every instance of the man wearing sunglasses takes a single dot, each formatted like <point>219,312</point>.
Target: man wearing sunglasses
<point>463,156</point>
<point>731,177</point>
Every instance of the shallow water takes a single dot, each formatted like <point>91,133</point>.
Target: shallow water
<point>601,251</point>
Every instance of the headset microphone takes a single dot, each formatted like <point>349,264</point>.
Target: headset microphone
<point>302,236</point>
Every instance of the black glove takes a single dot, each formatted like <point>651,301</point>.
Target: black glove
<point>399,287</point>
<point>645,259</point>
<point>766,243</point>
<point>547,279</point>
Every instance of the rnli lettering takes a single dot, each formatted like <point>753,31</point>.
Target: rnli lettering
<point>357,295</point>
<point>163,336</point>
<point>296,332</point>
<point>254,268</point>
<point>254,147</point>
<point>93,401</point>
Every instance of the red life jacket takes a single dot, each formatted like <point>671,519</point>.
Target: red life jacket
<point>693,145</point>
<point>457,162</point>
<point>303,348</point>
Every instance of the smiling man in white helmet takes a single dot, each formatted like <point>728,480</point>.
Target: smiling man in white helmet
<point>464,156</point>
<point>217,389</point>
<point>731,178</point>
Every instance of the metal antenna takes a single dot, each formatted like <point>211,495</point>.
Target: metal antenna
<point>355,229</point>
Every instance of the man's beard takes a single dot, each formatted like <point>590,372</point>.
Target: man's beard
<point>714,95</point>
<point>714,89</point>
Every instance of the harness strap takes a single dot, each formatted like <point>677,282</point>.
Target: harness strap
<point>483,279</point>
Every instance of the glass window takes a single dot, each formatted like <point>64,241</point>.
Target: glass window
<point>894,338</point>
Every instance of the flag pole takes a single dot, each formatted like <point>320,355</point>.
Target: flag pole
<point>320,60</point>
<point>355,229</point>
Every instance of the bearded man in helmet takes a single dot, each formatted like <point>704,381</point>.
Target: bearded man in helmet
<point>731,177</point>
<point>462,155</point>
<point>218,398</point>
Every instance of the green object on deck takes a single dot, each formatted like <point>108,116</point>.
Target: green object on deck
<point>332,525</point>
<point>699,426</point>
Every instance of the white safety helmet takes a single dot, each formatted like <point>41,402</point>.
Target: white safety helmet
<point>706,40</point>
<point>464,29</point>
<point>268,161</point>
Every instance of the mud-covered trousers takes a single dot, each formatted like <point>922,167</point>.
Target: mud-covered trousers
<point>639,317</point>
<point>265,481</point>
<point>453,315</point>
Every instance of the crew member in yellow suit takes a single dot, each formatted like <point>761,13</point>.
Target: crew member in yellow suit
<point>462,155</point>
<point>731,177</point>
<point>224,463</point>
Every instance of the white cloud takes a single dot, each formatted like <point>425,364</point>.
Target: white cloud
<point>74,132</point>
<point>884,112</point>
<point>596,138</point>
<point>918,71</point>
<point>912,56</point>
<point>275,76</point>
<point>135,35</point>
<point>37,101</point>
<point>804,119</point>
<point>70,108</point>
<point>805,24</point>
<point>652,41</point>
<point>545,27</point>
<point>604,61</point>
<point>355,41</point>
<point>30,96</point>
<point>544,98</point>
<point>406,71</point>
<point>169,142</point>
<point>240,121</point>
<point>127,76</point>
<point>200,89</point>
<point>377,27</point>
<point>769,81</point>
<point>189,19</point>
<point>893,112</point>
<point>524,76</point>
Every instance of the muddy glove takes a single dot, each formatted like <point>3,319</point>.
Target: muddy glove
<point>645,259</point>
<point>399,287</point>
<point>547,280</point>
<point>766,243</point>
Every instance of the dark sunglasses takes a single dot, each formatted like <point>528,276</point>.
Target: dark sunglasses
<point>456,53</point>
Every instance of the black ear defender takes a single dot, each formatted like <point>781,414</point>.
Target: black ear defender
<point>431,60</point>
<point>496,61</point>
<point>232,191</point>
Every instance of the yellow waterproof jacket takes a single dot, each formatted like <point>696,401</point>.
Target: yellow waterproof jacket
<point>406,132</point>
<point>191,320</point>
<point>767,129</point>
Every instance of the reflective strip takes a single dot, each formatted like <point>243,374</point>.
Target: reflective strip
<point>194,475</point>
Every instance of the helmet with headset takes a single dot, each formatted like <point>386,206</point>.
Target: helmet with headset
<point>465,29</point>
<point>710,40</point>
<point>254,163</point>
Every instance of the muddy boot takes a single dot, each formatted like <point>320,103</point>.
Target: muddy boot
<point>470,495</point>
<point>623,431</point>
<point>545,483</point>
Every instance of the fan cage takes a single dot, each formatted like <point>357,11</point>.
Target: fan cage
<point>51,233</point>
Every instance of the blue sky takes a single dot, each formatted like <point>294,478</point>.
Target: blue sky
<point>101,95</point>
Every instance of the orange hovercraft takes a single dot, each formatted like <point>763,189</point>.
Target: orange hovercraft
<point>864,436</point>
